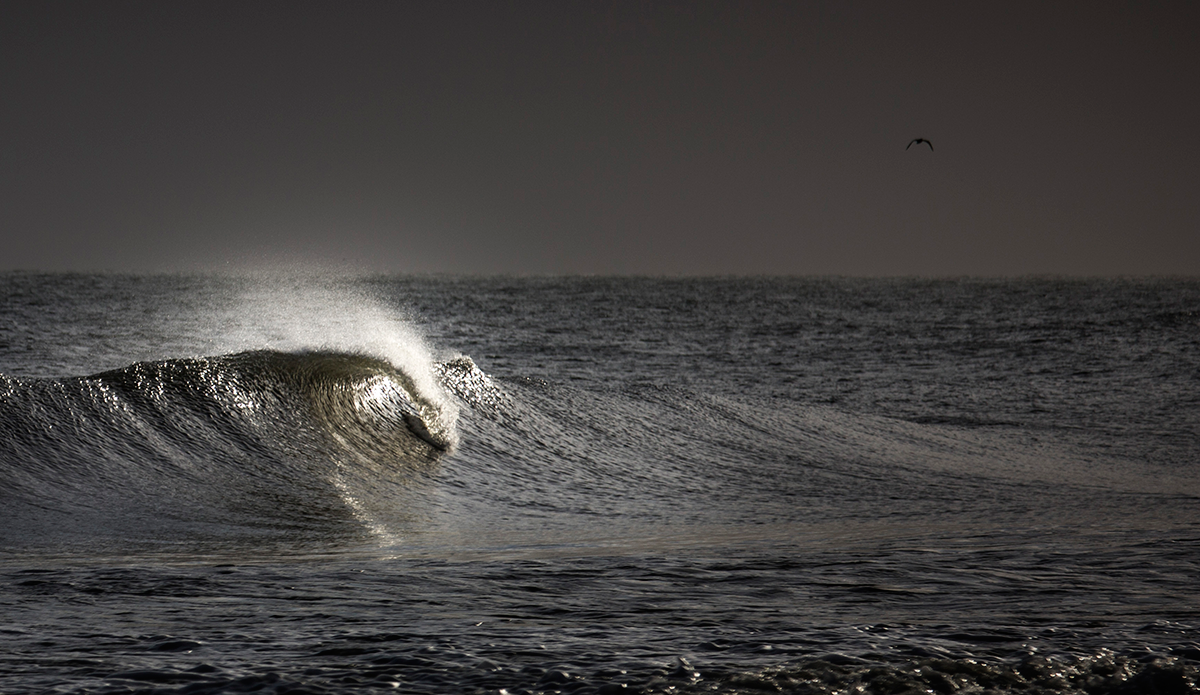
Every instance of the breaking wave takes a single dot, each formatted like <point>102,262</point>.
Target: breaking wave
<point>260,440</point>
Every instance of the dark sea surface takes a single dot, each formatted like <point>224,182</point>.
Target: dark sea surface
<point>317,484</point>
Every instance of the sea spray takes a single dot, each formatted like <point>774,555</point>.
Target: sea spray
<point>310,313</point>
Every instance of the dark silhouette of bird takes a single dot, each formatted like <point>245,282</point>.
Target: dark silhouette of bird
<point>918,141</point>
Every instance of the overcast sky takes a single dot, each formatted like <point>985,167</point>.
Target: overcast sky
<point>602,137</point>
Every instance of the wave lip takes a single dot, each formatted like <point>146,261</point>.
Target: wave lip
<point>368,403</point>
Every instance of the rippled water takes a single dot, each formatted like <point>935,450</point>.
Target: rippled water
<point>317,484</point>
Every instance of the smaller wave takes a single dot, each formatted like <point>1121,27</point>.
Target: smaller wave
<point>462,377</point>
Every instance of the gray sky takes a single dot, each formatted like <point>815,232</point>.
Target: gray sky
<point>602,137</point>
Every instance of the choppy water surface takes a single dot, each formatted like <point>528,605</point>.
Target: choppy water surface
<point>598,485</point>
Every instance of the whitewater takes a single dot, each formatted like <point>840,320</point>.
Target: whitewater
<point>320,483</point>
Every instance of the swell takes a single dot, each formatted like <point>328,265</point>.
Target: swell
<point>273,441</point>
<point>551,464</point>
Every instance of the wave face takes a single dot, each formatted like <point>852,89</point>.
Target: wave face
<point>248,444</point>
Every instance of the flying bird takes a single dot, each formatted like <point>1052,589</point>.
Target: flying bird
<point>918,141</point>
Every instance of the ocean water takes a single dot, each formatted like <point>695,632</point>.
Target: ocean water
<point>321,484</point>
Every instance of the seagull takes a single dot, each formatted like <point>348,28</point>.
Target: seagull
<point>918,141</point>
